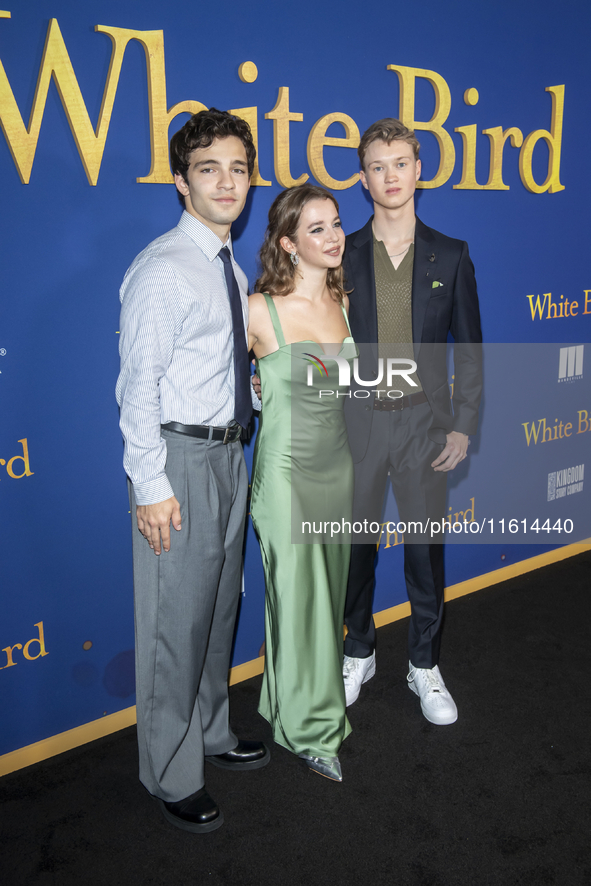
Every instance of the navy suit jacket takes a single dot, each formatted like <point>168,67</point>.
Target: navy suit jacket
<point>450,307</point>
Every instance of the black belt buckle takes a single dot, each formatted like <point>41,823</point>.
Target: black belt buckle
<point>206,432</point>
<point>232,434</point>
<point>400,403</point>
<point>390,405</point>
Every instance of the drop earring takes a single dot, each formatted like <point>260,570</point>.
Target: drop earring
<point>295,259</point>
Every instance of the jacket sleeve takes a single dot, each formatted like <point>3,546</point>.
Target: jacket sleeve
<point>465,328</point>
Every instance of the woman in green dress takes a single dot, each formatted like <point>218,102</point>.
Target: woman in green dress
<point>302,481</point>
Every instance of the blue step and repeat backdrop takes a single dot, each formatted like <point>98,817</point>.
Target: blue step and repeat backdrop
<point>498,94</point>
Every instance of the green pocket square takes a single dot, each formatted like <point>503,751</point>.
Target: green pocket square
<point>435,284</point>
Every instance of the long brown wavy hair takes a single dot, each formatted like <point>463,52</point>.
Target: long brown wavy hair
<point>277,271</point>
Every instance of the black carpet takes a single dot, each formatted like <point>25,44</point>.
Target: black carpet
<point>500,797</point>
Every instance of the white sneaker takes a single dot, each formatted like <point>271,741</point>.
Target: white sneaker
<point>357,671</point>
<point>436,703</point>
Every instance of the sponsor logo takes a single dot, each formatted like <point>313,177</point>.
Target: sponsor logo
<point>570,363</point>
<point>565,482</point>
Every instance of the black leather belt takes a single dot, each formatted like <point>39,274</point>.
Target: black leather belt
<point>390,405</point>
<point>205,432</point>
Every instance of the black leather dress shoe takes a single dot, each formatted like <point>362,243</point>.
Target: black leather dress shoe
<point>197,813</point>
<point>246,755</point>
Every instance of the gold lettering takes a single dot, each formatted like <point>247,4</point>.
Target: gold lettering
<point>573,305</point>
<point>40,640</point>
<point>587,301</point>
<point>25,460</point>
<point>546,431</point>
<point>532,431</point>
<point>568,427</point>
<point>10,663</point>
<point>248,72</point>
<point>317,141</point>
<point>251,117</point>
<point>281,117</point>
<point>56,63</point>
<point>554,141</point>
<point>468,181</point>
<point>497,140</point>
<point>406,78</point>
<point>160,117</point>
<point>538,308</point>
<point>470,511</point>
<point>552,305</point>
<point>583,421</point>
<point>497,137</point>
<point>398,540</point>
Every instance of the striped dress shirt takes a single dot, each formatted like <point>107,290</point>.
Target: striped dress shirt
<point>176,348</point>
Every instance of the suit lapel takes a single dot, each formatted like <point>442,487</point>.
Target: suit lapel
<point>363,297</point>
<point>423,275</point>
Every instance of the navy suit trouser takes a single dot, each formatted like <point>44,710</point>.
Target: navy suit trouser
<point>399,447</point>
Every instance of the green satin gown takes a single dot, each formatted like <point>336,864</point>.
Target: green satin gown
<point>303,470</point>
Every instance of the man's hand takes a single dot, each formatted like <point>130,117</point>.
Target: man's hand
<point>153,521</point>
<point>454,452</point>
<point>256,385</point>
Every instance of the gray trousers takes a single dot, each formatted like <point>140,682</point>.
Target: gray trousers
<point>185,609</point>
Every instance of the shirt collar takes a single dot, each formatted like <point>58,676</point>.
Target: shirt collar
<point>208,242</point>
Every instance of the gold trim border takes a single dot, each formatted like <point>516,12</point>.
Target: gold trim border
<point>73,738</point>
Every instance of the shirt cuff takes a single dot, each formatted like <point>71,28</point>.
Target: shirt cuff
<point>256,403</point>
<point>153,491</point>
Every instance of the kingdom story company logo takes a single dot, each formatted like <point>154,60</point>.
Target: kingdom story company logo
<point>566,482</point>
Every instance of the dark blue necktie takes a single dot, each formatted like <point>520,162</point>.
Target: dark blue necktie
<point>243,402</point>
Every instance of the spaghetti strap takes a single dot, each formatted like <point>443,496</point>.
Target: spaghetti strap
<point>345,316</point>
<point>275,320</point>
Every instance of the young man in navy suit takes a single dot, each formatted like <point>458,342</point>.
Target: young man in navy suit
<point>410,285</point>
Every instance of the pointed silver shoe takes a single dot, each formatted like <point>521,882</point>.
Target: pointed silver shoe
<point>329,767</point>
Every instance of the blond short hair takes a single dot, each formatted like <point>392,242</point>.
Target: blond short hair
<point>387,130</point>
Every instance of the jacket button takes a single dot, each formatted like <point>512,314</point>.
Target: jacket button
<point>367,408</point>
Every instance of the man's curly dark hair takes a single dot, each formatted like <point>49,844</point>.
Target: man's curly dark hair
<point>200,132</point>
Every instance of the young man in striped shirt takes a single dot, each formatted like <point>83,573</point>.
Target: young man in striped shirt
<point>184,392</point>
